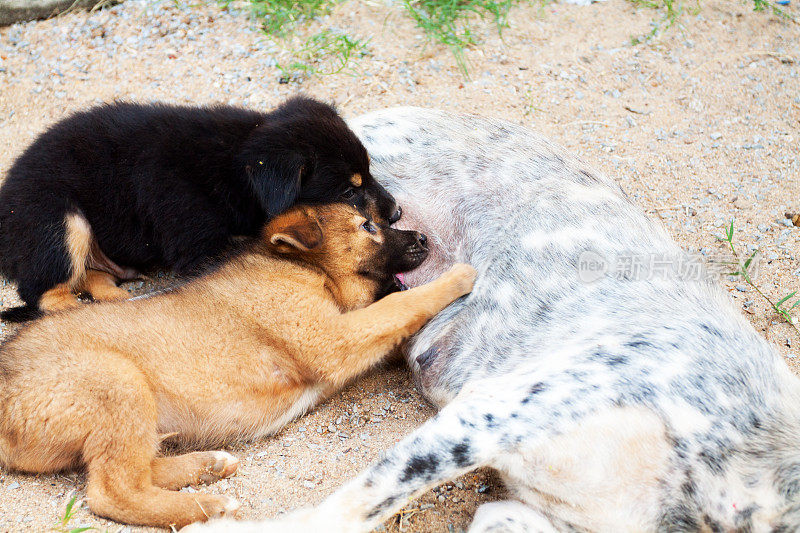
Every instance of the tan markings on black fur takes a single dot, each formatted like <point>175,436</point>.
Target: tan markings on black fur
<point>79,246</point>
<point>78,240</point>
<point>356,180</point>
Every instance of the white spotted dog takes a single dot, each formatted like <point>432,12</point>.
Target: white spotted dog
<point>640,401</point>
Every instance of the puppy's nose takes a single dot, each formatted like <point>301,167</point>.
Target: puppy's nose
<point>422,240</point>
<point>396,215</point>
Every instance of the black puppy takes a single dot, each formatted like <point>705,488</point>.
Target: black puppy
<point>124,187</point>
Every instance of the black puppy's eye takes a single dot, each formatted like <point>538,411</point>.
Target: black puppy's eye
<point>369,227</point>
<point>348,193</point>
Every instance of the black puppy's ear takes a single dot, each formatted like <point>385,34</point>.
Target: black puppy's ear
<point>277,181</point>
<point>297,229</point>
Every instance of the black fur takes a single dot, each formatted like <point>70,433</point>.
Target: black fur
<point>166,187</point>
<point>23,313</point>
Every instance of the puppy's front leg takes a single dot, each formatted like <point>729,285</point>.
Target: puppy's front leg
<point>360,338</point>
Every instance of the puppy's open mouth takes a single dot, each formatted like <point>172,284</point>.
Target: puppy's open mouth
<point>400,281</point>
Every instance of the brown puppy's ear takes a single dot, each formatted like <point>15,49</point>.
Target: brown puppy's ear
<point>297,229</point>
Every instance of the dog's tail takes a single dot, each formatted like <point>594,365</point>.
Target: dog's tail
<point>23,313</point>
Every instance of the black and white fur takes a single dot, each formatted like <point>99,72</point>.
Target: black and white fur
<point>632,403</point>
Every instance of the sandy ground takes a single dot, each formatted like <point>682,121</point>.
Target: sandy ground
<point>699,128</point>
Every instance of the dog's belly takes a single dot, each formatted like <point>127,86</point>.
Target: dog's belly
<point>245,417</point>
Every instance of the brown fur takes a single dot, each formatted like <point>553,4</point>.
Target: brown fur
<point>102,286</point>
<point>59,298</point>
<point>79,244</point>
<point>235,354</point>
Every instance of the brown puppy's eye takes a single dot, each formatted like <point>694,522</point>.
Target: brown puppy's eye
<point>348,193</point>
<point>369,227</point>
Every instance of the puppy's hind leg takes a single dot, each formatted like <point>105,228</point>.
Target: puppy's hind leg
<point>448,445</point>
<point>103,287</point>
<point>120,454</point>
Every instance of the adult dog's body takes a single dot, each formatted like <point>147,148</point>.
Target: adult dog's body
<point>233,355</point>
<point>637,402</point>
<point>128,187</point>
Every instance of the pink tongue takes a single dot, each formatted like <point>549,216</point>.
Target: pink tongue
<point>401,277</point>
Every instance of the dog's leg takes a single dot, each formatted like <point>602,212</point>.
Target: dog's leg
<point>361,338</point>
<point>120,451</point>
<point>510,517</point>
<point>122,490</point>
<point>59,298</point>
<point>193,468</point>
<point>98,260</point>
<point>103,286</point>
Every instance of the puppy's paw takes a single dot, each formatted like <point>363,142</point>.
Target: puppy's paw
<point>463,277</point>
<point>219,465</point>
<point>56,300</point>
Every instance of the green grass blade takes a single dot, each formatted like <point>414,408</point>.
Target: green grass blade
<point>68,512</point>
<point>750,260</point>
<point>788,296</point>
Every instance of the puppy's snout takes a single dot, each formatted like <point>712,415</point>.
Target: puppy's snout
<point>413,249</point>
<point>398,212</point>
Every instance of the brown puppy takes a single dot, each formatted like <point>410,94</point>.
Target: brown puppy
<point>235,354</point>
